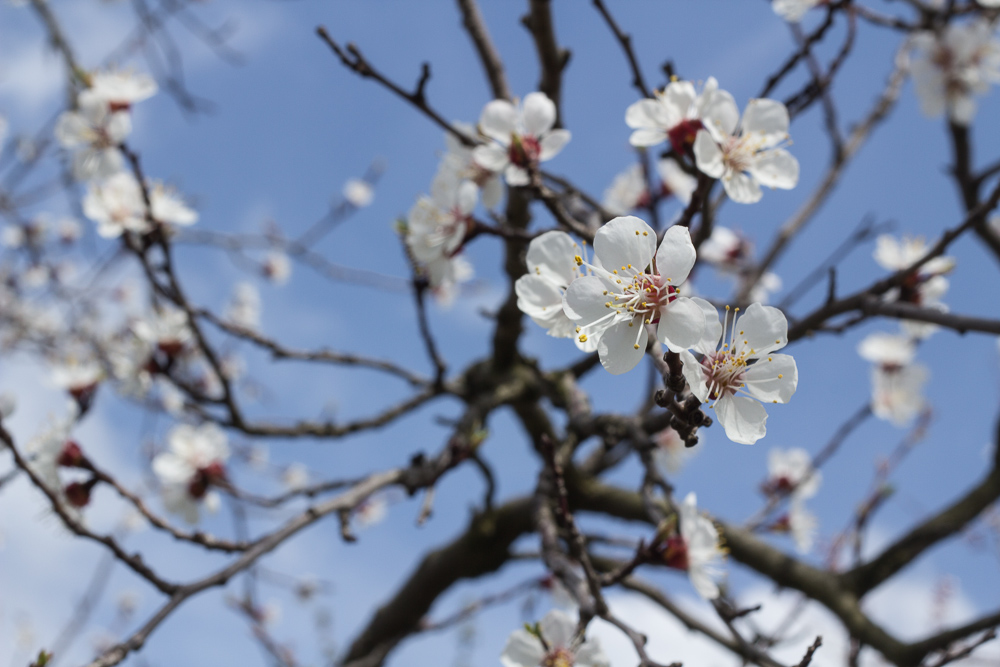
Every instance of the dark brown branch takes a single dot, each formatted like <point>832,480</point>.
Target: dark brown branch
<point>489,57</point>
<point>625,40</point>
<point>551,57</point>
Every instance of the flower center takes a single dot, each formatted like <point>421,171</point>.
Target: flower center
<point>739,152</point>
<point>676,553</point>
<point>560,657</point>
<point>682,134</point>
<point>524,150</point>
<point>724,368</point>
<point>205,477</point>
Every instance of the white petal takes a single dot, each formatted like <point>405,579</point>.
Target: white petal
<point>585,297</point>
<point>537,297</point>
<point>678,99</point>
<point>515,176</point>
<point>539,114</point>
<point>466,197</point>
<point>719,111</point>
<point>742,188</point>
<point>557,628</point>
<point>589,654</point>
<point>768,117</point>
<point>713,327</point>
<point>491,157</point>
<point>743,418</point>
<point>552,256</point>
<point>648,115</point>
<point>522,650</point>
<point>708,156</point>
<point>622,346</point>
<point>760,329</point>
<point>646,137</point>
<point>695,375</point>
<point>682,324</point>
<point>676,255</point>
<point>772,379</point>
<point>498,120</point>
<point>776,168</point>
<point>552,143</point>
<point>623,241</point>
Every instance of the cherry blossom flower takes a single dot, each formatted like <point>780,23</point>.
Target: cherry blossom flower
<point>372,511</point>
<point>793,10</point>
<point>167,328</point>
<point>674,114</point>
<point>277,267</point>
<point>737,367</point>
<point>628,191</point>
<point>695,549</point>
<point>116,205</point>
<point>790,473</point>
<point>639,286</point>
<point>555,647</point>
<point>522,137</point>
<point>437,225</point>
<point>95,132</point>
<point>552,267</point>
<point>445,275</point>
<point>118,89</point>
<point>897,380</point>
<point>193,463</point>
<point>726,250</point>
<point>52,449</point>
<point>167,206</point>
<point>358,193</point>
<point>950,69</point>
<point>78,377</point>
<point>459,164</point>
<point>295,477</point>
<point>746,155</point>
<point>244,306</point>
<point>925,286</point>
<point>69,230</point>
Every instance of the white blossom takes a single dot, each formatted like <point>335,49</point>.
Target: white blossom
<point>277,267</point>
<point>671,453</point>
<point>194,462</point>
<point>695,549</point>
<point>94,132</point>
<point>295,477</point>
<point>435,230</point>
<point>924,287</point>
<point>522,137</point>
<point>746,155</point>
<point>552,267</point>
<point>635,284</point>
<point>950,69</point>
<point>372,510</point>
<point>675,113</point>
<point>458,164</point>
<point>675,181</point>
<point>794,10</point>
<point>557,628</point>
<point>167,206</point>
<point>167,328</point>
<point>244,306</point>
<point>790,472</point>
<point>897,381</point>
<point>737,367</point>
<point>803,525</point>
<point>627,192</point>
<point>358,193</point>
<point>118,89</point>
<point>116,205</point>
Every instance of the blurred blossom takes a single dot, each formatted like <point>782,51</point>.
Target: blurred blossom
<point>359,193</point>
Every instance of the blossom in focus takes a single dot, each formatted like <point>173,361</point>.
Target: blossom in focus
<point>950,69</point>
<point>634,284</point>
<point>555,647</point>
<point>674,114</point>
<point>552,267</point>
<point>896,379</point>
<point>94,132</point>
<point>358,193</point>
<point>746,155</point>
<point>194,461</point>
<point>695,549</point>
<point>118,89</point>
<point>458,164</point>
<point>522,137</point>
<point>167,206</point>
<point>738,369</point>
<point>116,205</point>
<point>794,10</point>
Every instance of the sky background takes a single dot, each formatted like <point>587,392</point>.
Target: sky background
<point>289,126</point>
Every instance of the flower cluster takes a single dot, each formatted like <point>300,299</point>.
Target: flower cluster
<point>744,155</point>
<point>695,548</point>
<point>193,464</point>
<point>791,474</point>
<point>897,380</point>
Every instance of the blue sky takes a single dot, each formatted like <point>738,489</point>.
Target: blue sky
<point>291,125</point>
